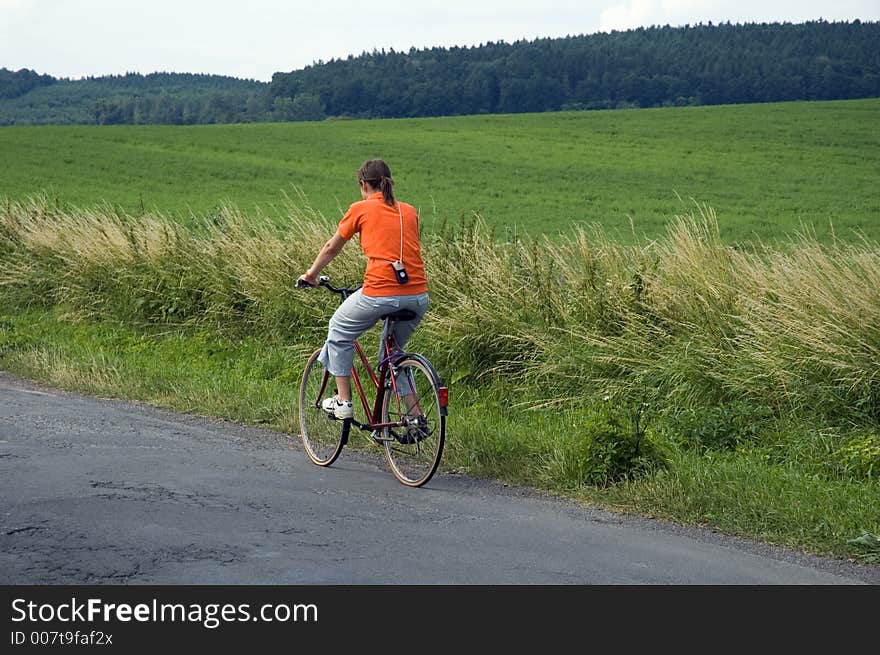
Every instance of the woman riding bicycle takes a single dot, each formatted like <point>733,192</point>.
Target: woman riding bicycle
<point>394,278</point>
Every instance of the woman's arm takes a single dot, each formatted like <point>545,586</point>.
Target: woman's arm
<point>332,248</point>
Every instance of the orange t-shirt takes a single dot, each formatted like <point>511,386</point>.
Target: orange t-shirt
<point>379,227</point>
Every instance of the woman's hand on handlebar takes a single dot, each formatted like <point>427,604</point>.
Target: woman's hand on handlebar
<point>306,281</point>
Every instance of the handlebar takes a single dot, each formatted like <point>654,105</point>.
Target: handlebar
<point>324,281</point>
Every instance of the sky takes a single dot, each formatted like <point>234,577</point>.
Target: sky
<point>254,38</point>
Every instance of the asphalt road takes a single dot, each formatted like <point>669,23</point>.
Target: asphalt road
<point>99,491</point>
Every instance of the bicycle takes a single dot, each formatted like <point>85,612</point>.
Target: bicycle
<point>407,418</point>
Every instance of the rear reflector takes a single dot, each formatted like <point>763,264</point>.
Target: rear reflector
<point>444,396</point>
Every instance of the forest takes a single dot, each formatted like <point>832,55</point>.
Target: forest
<point>27,98</point>
<point>659,66</point>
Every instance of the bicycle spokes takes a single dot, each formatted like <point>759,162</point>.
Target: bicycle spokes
<point>413,450</point>
<point>322,436</point>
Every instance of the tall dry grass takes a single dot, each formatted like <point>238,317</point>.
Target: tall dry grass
<point>682,321</point>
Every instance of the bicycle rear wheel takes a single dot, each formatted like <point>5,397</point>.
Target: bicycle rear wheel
<point>413,450</point>
<point>322,435</point>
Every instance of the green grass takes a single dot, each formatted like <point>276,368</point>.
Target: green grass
<point>241,379</point>
<point>767,169</point>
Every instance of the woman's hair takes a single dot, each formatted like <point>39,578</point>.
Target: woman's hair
<point>376,173</point>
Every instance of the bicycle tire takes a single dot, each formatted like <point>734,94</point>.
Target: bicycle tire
<point>414,452</point>
<point>323,437</point>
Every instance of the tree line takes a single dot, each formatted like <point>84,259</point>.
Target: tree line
<point>646,67</point>
<point>133,98</point>
<point>16,83</point>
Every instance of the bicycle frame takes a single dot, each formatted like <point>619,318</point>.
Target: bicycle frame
<point>378,384</point>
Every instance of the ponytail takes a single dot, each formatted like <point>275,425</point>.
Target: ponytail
<point>376,173</point>
<point>386,185</point>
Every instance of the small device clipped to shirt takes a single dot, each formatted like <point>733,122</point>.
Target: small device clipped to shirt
<point>400,272</point>
<point>399,268</point>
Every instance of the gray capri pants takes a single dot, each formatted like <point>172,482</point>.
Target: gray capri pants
<point>357,314</point>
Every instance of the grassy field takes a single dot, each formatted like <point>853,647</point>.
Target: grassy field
<point>766,170</point>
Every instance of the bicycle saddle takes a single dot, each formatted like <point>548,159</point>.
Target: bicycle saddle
<point>401,315</point>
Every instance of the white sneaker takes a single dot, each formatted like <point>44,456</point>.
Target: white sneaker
<point>341,410</point>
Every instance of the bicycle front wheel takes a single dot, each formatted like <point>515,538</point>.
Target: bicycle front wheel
<point>323,436</point>
<point>413,448</point>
